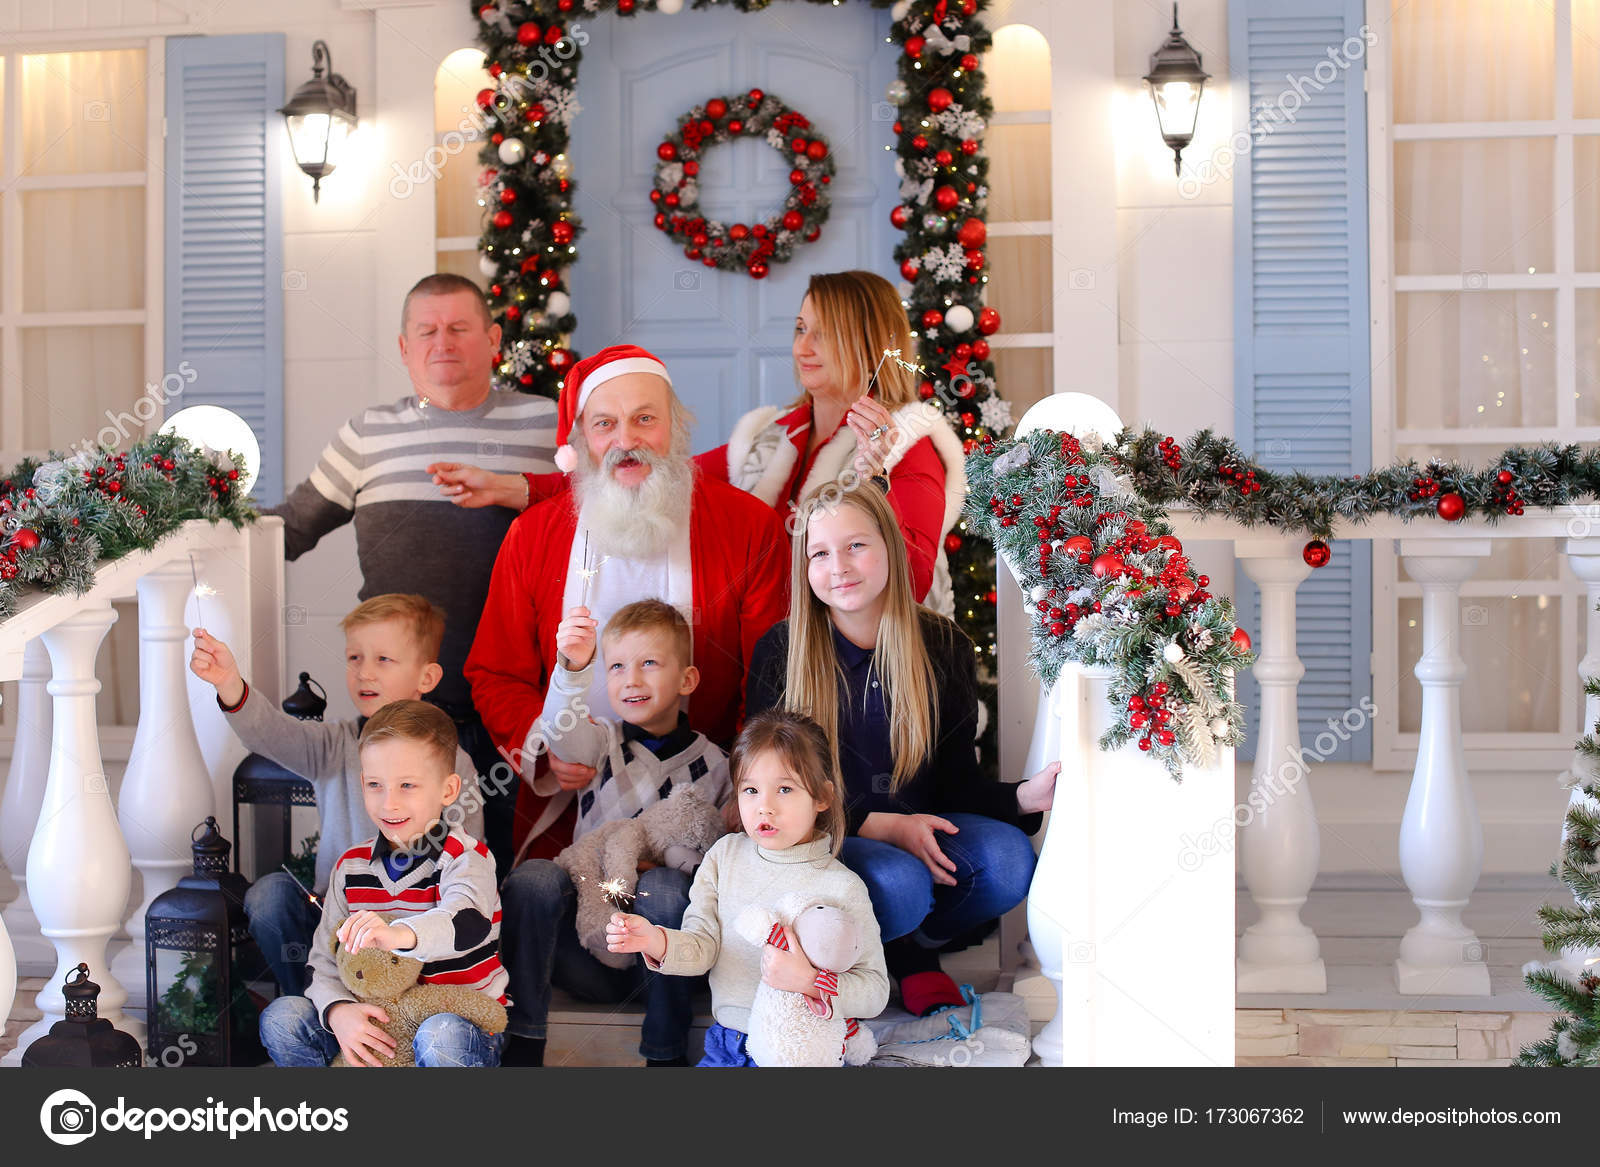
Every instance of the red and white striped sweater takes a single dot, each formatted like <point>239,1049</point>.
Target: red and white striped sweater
<point>447,896</point>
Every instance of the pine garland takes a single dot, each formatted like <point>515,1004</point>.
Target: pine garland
<point>1574,1039</point>
<point>531,230</point>
<point>1211,476</point>
<point>62,518</point>
<point>1108,584</point>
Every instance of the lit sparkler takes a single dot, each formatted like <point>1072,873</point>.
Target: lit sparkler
<point>314,900</point>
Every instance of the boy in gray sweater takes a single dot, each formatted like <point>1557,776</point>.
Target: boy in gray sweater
<point>391,654</point>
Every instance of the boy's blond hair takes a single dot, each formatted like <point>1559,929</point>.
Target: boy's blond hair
<point>652,616</point>
<point>424,621</point>
<point>414,721</point>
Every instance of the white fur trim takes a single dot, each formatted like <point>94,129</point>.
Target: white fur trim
<point>761,454</point>
<point>918,420</point>
<point>611,370</point>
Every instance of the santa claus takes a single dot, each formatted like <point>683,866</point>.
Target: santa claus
<point>639,522</point>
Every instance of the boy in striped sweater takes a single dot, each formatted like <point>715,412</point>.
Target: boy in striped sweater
<point>439,885</point>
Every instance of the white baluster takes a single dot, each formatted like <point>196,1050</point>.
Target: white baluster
<point>8,974</point>
<point>1441,839</point>
<point>19,812</point>
<point>225,612</point>
<point>1046,930</point>
<point>78,869</point>
<point>166,790</point>
<point>1279,845</point>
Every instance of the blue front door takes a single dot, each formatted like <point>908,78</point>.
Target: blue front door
<point>724,335</point>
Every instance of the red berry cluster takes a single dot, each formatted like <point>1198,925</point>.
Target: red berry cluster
<point>1171,454</point>
<point>1148,711</point>
<point>1422,488</point>
<point>1057,620</point>
<point>107,481</point>
<point>221,484</point>
<point>1245,480</point>
<point>1505,494</point>
<point>1007,515</point>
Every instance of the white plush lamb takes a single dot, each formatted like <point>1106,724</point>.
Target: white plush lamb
<point>792,1029</point>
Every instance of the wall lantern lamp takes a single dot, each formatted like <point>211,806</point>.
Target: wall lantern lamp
<point>1175,81</point>
<point>321,117</point>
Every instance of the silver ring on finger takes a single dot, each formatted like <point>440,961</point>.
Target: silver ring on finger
<point>877,433</point>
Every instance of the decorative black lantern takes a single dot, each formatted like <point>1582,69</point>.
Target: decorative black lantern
<point>1176,80</point>
<point>306,703</point>
<point>321,117</point>
<point>199,957</point>
<point>83,1039</point>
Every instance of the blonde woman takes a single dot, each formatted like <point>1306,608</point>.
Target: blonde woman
<point>942,849</point>
<point>845,419</point>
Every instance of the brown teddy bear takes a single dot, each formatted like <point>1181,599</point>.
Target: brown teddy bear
<point>604,864</point>
<point>380,977</point>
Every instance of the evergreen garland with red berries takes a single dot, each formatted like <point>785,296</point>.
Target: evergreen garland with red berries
<point>529,239</point>
<point>1107,583</point>
<point>62,518</point>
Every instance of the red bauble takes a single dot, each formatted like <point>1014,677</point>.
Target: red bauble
<point>925,390</point>
<point>502,220</point>
<point>736,126</point>
<point>1169,543</point>
<point>974,260</point>
<point>485,96</point>
<point>1316,553</point>
<point>900,216</point>
<point>526,379</point>
<point>1451,507</point>
<point>513,313</point>
<point>945,198</point>
<point>932,318</point>
<point>666,151</point>
<point>988,321</point>
<point>908,269</point>
<point>758,271</point>
<point>969,7</point>
<point>529,34</point>
<point>670,198</point>
<point>919,143</point>
<point>549,279</point>
<point>738,231</point>
<point>28,539</point>
<point>508,197</point>
<point>535,113</point>
<point>793,220</point>
<point>798,145</point>
<point>914,46</point>
<point>969,147</point>
<point>939,99</point>
<point>944,158</point>
<point>1503,478</point>
<point>972,233</point>
<point>716,108</point>
<point>1077,546</point>
<point>1107,566</point>
<point>817,150</point>
<point>980,349</point>
<point>561,233</point>
<point>691,168</point>
<point>969,62</point>
<point>553,34</point>
<point>625,7</point>
<point>755,97</point>
<point>559,359</point>
<point>952,542</point>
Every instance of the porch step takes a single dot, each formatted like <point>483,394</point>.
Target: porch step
<point>1383,1037</point>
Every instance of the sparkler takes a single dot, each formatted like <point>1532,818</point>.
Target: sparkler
<point>889,354</point>
<point>589,570</point>
<point>616,890</point>
<point>301,886</point>
<point>200,589</point>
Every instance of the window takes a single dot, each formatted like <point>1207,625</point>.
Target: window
<point>80,278</point>
<point>1485,120</point>
<point>459,206</point>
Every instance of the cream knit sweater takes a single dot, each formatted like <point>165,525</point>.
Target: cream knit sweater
<point>738,873</point>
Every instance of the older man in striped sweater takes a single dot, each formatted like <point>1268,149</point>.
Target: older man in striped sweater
<point>416,530</point>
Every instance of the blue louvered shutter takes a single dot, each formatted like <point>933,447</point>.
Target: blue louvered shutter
<point>226,147</point>
<point>1302,393</point>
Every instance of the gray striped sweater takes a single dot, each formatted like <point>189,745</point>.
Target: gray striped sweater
<point>408,537</point>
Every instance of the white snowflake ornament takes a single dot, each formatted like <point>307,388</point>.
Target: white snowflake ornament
<point>995,413</point>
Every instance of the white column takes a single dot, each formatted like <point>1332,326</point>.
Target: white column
<point>1441,839</point>
<point>8,974</point>
<point>19,812</point>
<point>166,790</point>
<point>1279,845</point>
<point>1046,929</point>
<point>78,870</point>
<point>225,613</point>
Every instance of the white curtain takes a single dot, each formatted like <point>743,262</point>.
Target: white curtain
<point>1476,359</point>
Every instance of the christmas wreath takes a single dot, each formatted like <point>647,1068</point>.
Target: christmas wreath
<point>738,246</point>
<point>1108,584</point>
<point>62,518</point>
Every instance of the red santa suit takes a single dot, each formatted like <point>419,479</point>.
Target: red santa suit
<point>731,576</point>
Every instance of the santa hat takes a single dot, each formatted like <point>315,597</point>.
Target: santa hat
<point>605,365</point>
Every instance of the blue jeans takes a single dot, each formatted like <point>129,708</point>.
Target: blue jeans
<point>725,1050</point>
<point>994,865</point>
<point>294,1036</point>
<point>539,945</point>
<point>282,921</point>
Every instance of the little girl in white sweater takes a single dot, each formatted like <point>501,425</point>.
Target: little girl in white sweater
<point>791,806</point>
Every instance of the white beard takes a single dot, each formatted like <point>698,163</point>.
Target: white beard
<point>634,521</point>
